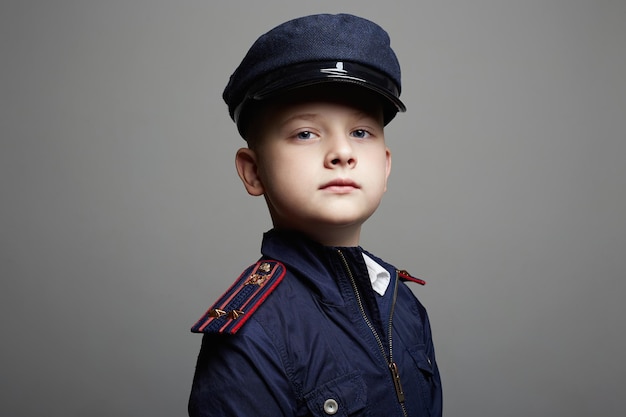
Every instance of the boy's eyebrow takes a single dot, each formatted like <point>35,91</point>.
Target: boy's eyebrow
<point>299,116</point>
<point>310,117</point>
<point>358,114</point>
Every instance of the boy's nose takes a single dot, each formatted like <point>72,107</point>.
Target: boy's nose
<point>340,152</point>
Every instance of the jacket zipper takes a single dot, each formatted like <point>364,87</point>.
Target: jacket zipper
<point>393,367</point>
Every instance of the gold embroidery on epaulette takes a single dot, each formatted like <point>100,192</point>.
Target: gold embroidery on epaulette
<point>216,312</point>
<point>234,314</point>
<point>259,279</point>
<point>256,279</point>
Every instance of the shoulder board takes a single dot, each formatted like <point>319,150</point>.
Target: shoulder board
<point>242,299</point>
<point>405,276</point>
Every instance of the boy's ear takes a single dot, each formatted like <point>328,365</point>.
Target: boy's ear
<point>246,164</point>
<point>388,168</point>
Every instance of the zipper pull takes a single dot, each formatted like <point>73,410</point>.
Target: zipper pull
<point>395,375</point>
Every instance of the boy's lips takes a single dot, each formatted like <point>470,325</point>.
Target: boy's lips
<point>340,184</point>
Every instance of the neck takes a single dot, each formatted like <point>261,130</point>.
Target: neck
<point>333,236</point>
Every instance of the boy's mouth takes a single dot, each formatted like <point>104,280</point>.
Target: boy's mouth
<point>340,185</point>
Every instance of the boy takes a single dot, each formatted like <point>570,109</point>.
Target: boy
<point>318,326</point>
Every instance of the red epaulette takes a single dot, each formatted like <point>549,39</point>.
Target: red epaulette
<point>242,299</point>
<point>405,276</point>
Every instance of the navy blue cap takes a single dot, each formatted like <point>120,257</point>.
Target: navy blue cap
<point>316,49</point>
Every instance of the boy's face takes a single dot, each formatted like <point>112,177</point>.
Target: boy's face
<point>321,162</point>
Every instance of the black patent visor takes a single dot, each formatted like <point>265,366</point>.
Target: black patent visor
<point>310,73</point>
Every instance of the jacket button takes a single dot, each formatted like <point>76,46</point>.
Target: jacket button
<point>331,407</point>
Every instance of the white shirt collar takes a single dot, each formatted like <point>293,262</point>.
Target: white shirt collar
<point>379,277</point>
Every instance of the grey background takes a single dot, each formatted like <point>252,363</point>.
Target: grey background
<point>122,218</point>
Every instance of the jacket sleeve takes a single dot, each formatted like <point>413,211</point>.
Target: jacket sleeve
<point>240,375</point>
<point>434,394</point>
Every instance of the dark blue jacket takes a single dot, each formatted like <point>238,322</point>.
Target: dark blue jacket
<point>322,343</point>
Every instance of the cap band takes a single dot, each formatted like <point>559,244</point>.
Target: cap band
<point>310,73</point>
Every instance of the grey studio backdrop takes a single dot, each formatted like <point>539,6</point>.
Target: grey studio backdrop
<point>122,219</point>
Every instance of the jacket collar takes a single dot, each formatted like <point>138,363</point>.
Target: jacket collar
<point>319,266</point>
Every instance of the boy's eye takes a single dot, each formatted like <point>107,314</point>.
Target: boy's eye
<point>360,133</point>
<point>306,134</point>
